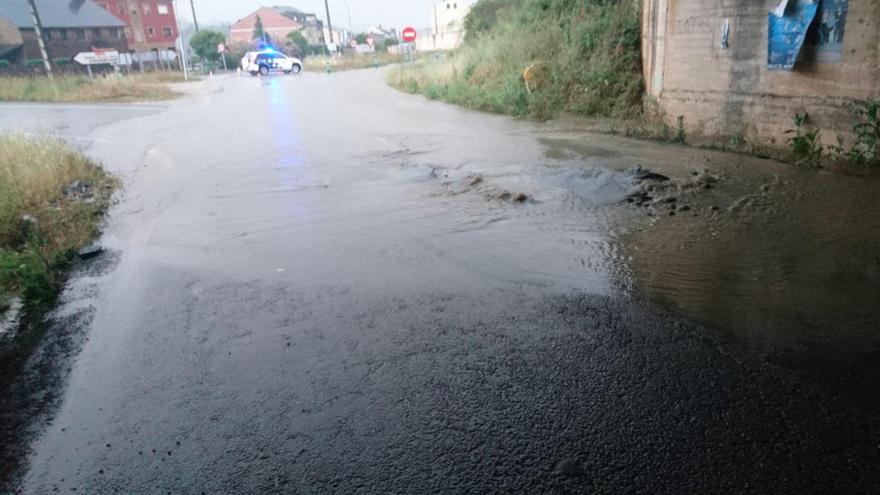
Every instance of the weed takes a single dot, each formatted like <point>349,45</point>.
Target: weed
<point>805,143</point>
<point>867,131</point>
<point>680,135</point>
<point>34,253</point>
<point>113,87</point>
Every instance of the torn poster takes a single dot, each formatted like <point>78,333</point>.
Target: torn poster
<point>725,34</point>
<point>830,27</point>
<point>787,32</point>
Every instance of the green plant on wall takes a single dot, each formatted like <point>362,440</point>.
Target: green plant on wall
<point>867,131</point>
<point>805,143</point>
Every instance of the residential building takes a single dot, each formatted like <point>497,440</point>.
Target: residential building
<point>447,26</point>
<point>715,65</point>
<point>150,24</point>
<point>66,30</point>
<point>278,22</point>
<point>312,28</point>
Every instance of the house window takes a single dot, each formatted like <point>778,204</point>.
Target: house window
<point>96,33</point>
<point>114,33</point>
<point>162,9</point>
<point>63,33</point>
<point>166,31</point>
<point>48,35</point>
<point>128,33</point>
<point>146,8</point>
<point>79,34</point>
<point>151,32</point>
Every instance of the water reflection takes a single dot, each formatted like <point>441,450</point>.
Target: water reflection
<point>796,266</point>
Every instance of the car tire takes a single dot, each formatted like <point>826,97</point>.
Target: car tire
<point>296,69</point>
<point>287,72</point>
<point>264,70</point>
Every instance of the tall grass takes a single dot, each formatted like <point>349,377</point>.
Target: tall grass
<point>118,88</point>
<point>34,252</point>
<point>584,54</point>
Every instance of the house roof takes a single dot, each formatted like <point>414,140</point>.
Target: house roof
<point>59,14</point>
<point>292,13</point>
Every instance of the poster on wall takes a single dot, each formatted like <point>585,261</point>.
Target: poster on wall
<point>830,24</point>
<point>788,31</point>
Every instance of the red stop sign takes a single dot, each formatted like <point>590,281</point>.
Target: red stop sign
<point>409,34</point>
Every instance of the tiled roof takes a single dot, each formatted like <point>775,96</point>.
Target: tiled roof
<point>59,14</point>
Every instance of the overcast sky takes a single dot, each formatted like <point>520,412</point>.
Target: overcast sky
<point>364,13</point>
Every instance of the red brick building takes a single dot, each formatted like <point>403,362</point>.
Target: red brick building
<point>150,24</point>
<point>278,22</point>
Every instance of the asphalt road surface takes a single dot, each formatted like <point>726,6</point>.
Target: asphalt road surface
<point>316,284</point>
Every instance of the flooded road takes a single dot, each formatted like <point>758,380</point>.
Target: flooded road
<point>319,285</point>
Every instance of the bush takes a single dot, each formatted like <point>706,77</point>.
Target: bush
<point>585,55</point>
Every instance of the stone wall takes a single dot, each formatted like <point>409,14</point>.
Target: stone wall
<point>729,94</point>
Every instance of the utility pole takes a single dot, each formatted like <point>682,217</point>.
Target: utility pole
<point>38,29</point>
<point>182,53</point>
<point>329,25</point>
<point>195,21</point>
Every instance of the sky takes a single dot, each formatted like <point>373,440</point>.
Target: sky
<point>364,13</point>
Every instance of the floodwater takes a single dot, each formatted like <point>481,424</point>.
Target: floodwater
<point>779,254</point>
<point>318,284</point>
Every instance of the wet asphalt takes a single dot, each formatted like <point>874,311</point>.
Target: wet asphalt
<point>316,284</point>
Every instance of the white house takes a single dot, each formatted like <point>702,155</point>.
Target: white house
<point>447,26</point>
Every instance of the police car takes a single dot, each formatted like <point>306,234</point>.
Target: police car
<point>266,61</point>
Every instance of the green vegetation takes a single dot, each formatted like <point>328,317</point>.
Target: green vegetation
<point>205,42</point>
<point>119,88</point>
<point>538,58</point>
<point>51,203</point>
<point>299,46</point>
<point>260,32</point>
<point>806,148</point>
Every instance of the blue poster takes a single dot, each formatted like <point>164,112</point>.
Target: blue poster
<point>788,31</point>
<point>830,24</point>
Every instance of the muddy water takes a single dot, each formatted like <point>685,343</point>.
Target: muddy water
<point>784,256</point>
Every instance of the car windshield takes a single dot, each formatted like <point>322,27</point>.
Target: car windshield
<point>439,247</point>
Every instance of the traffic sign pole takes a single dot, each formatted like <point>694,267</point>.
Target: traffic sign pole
<point>409,37</point>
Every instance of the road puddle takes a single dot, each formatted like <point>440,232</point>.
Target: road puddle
<point>783,256</point>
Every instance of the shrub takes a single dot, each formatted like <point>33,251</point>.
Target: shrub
<point>588,51</point>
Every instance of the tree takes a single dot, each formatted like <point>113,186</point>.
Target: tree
<point>361,38</point>
<point>300,41</point>
<point>205,42</point>
<point>259,31</point>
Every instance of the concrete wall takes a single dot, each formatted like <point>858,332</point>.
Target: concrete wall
<point>726,93</point>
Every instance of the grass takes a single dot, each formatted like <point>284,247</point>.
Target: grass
<point>351,62</point>
<point>112,88</point>
<point>35,253</point>
<point>583,58</point>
